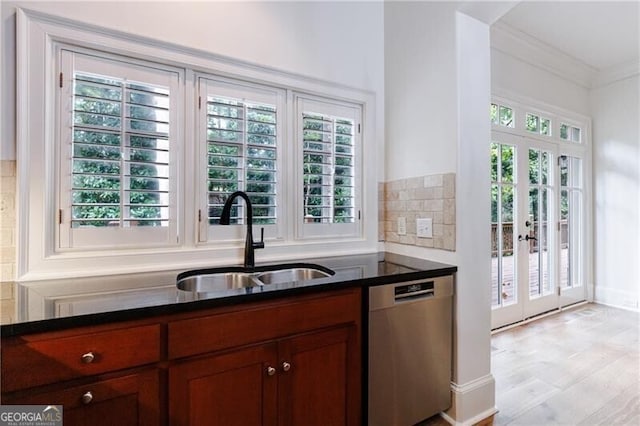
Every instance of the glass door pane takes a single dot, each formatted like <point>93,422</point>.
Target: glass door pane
<point>503,266</point>
<point>571,223</point>
<point>538,224</point>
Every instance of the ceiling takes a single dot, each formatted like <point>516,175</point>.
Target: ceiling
<point>603,35</point>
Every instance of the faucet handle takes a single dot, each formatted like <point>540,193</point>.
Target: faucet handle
<point>260,245</point>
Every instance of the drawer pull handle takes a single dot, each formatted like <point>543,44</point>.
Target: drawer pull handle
<point>87,397</point>
<point>88,358</point>
<point>286,366</point>
<point>271,371</point>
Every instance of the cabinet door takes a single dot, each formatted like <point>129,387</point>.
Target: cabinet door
<point>128,400</point>
<point>319,379</point>
<point>236,388</point>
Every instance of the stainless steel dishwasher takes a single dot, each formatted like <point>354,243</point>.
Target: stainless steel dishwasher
<point>410,349</point>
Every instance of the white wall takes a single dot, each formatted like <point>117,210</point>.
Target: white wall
<point>512,75</point>
<point>420,81</point>
<point>616,164</point>
<point>339,42</point>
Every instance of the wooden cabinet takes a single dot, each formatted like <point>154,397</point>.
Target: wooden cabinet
<point>132,399</point>
<point>297,362</point>
<point>237,388</point>
<point>221,329</point>
<point>287,361</point>
<point>44,358</point>
<point>311,379</point>
<point>319,379</point>
<point>102,375</point>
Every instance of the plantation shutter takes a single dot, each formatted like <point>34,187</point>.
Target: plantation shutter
<point>328,169</point>
<point>116,156</point>
<point>241,132</point>
<point>329,137</point>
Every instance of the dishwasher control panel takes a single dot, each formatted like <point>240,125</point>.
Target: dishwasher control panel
<point>387,295</point>
<point>409,291</point>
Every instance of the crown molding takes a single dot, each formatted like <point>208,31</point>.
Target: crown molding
<point>522,46</point>
<point>541,55</point>
<point>617,73</point>
<point>487,12</point>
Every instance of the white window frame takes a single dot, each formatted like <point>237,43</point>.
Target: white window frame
<point>38,260</point>
<point>499,104</point>
<point>571,124</point>
<point>540,116</point>
<point>115,238</point>
<point>303,104</point>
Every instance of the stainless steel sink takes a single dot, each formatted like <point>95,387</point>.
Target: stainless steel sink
<point>207,283</point>
<point>290,275</point>
<point>221,279</point>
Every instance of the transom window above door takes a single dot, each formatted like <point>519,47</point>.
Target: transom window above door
<point>542,122</point>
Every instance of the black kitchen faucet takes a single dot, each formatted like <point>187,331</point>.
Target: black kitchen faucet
<point>249,245</point>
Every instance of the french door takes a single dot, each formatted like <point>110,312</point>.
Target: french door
<point>536,228</point>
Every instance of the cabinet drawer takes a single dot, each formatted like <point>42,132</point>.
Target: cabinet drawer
<point>259,323</point>
<point>34,360</point>
<point>133,399</point>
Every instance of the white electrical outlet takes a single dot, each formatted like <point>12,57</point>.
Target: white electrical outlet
<point>402,226</point>
<point>424,227</point>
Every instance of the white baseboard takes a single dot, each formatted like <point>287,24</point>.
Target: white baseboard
<point>622,299</point>
<point>472,421</point>
<point>473,402</point>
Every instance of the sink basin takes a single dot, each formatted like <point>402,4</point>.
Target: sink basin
<point>291,274</point>
<point>222,279</point>
<point>206,283</point>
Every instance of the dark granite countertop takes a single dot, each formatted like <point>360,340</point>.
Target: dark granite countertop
<point>110,305</point>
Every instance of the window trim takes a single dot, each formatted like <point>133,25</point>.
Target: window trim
<point>37,259</point>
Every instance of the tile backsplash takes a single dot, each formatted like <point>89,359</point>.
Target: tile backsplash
<point>7,240</point>
<point>431,196</point>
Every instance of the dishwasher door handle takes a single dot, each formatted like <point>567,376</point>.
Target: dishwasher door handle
<point>423,294</point>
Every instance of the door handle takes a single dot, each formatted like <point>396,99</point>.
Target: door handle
<point>527,238</point>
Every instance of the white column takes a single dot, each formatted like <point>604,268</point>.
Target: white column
<point>473,385</point>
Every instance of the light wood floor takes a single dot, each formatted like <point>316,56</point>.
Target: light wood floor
<point>579,367</point>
